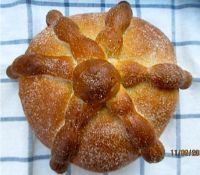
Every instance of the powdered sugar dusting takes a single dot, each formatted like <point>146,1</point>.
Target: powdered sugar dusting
<point>146,44</point>
<point>156,105</point>
<point>44,100</point>
<point>47,43</point>
<point>104,145</point>
<point>107,142</point>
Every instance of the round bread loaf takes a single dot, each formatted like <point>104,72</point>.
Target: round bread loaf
<point>103,114</point>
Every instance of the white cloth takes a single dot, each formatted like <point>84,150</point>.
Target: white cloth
<point>21,153</point>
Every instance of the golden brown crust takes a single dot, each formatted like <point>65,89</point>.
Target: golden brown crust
<point>139,130</point>
<point>132,73</point>
<point>186,79</point>
<point>164,76</point>
<point>66,30</point>
<point>87,49</point>
<point>95,81</point>
<point>67,140</point>
<point>52,17</point>
<point>119,16</point>
<point>46,43</point>
<point>82,158</point>
<point>169,76</point>
<point>111,41</point>
<point>146,45</point>
<point>135,119</point>
<point>32,64</point>
<point>117,20</point>
<point>82,48</point>
<point>154,104</point>
<point>105,145</point>
<point>44,101</point>
<point>90,143</point>
<point>154,153</point>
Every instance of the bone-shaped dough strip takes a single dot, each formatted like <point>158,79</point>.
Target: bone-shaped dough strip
<point>117,21</point>
<point>37,64</point>
<point>141,133</point>
<point>166,75</point>
<point>82,48</point>
<point>66,142</point>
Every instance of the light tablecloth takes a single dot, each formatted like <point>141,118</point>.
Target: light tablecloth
<point>21,153</point>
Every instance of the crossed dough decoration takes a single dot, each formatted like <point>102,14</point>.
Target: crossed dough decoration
<point>97,83</point>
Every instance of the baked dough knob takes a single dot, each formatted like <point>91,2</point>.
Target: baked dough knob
<point>117,20</point>
<point>95,81</point>
<point>119,16</point>
<point>154,153</point>
<point>82,48</point>
<point>52,17</point>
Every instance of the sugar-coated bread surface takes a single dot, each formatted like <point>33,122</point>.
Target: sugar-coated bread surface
<point>104,144</point>
<point>99,123</point>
